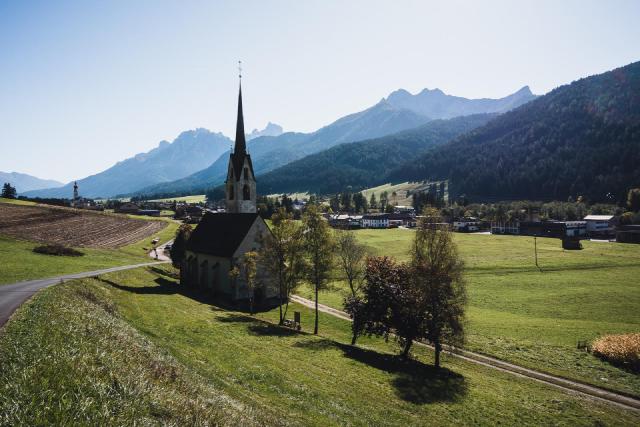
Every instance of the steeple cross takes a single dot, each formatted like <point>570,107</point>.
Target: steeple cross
<point>240,69</point>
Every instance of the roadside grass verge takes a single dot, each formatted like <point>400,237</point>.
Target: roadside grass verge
<point>301,379</point>
<point>68,358</point>
<point>19,262</point>
<point>532,318</point>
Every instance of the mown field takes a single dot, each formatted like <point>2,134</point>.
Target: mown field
<point>536,318</point>
<point>401,190</point>
<point>134,346</point>
<point>19,262</point>
<point>196,198</point>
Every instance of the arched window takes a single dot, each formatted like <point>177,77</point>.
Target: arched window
<point>246,173</point>
<point>246,192</point>
<point>230,191</point>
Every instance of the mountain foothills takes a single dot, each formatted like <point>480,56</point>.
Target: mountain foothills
<point>189,152</point>
<point>24,182</point>
<point>364,163</point>
<point>389,116</point>
<point>579,139</point>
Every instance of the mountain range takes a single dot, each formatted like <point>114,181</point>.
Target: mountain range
<point>391,115</point>
<point>24,182</point>
<point>191,151</point>
<point>579,139</point>
<point>364,163</point>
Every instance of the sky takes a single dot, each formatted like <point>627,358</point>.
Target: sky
<point>84,84</point>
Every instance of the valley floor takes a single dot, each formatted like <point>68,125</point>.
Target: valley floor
<point>136,346</point>
<point>531,317</point>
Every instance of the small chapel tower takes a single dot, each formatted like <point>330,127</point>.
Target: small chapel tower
<point>74,202</point>
<point>240,186</point>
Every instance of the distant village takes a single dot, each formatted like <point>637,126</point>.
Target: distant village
<point>527,221</point>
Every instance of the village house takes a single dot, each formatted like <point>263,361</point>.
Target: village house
<point>379,220</point>
<point>219,242</point>
<point>127,208</point>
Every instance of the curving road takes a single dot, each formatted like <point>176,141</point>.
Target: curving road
<point>13,295</point>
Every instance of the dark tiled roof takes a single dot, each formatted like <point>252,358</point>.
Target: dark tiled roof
<point>220,234</point>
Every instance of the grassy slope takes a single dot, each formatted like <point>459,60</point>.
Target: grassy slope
<point>196,198</point>
<point>531,318</point>
<point>275,374</point>
<point>401,190</point>
<point>20,263</point>
<point>66,358</point>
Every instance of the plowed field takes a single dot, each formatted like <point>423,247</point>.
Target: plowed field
<point>73,227</point>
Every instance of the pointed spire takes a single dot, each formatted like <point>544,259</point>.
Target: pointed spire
<point>241,144</point>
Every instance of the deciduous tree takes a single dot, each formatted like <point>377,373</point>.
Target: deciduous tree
<point>282,256</point>
<point>180,244</point>
<point>318,244</point>
<point>439,286</point>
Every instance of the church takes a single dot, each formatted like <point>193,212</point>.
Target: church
<point>220,240</point>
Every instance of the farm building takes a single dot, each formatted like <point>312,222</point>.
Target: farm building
<point>600,225</point>
<point>220,241</point>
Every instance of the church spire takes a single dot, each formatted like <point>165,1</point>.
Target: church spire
<point>241,144</point>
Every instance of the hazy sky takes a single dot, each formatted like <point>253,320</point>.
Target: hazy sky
<point>86,84</point>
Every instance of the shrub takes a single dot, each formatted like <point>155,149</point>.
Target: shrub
<point>57,249</point>
<point>622,350</point>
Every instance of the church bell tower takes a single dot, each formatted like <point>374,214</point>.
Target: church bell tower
<point>240,186</point>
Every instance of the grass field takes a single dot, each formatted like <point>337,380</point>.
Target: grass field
<point>401,190</point>
<point>533,318</point>
<point>183,357</point>
<point>196,198</point>
<point>17,202</point>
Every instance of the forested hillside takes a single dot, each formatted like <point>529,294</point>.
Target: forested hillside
<point>365,163</point>
<point>579,139</point>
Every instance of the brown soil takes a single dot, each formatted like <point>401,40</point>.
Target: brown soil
<point>74,227</point>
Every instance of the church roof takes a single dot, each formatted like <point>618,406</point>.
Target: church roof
<point>240,148</point>
<point>220,234</point>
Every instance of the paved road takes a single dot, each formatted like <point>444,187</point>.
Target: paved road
<point>12,296</point>
<point>575,387</point>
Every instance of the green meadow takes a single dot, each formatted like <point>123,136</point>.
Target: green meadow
<point>533,317</point>
<point>136,347</point>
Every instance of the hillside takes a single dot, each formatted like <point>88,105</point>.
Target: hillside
<point>579,139</point>
<point>24,182</point>
<point>400,111</point>
<point>189,152</point>
<point>137,347</point>
<point>365,163</point>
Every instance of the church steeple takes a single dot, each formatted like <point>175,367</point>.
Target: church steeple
<point>241,143</point>
<point>240,185</point>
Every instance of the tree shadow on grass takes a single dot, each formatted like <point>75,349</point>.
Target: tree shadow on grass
<point>235,318</point>
<point>268,329</point>
<point>413,380</point>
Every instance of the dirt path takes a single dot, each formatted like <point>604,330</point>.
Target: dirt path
<point>570,386</point>
<point>160,253</point>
